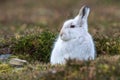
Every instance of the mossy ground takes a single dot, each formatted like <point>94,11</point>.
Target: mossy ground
<point>29,30</point>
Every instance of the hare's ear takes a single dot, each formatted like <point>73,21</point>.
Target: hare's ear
<point>84,12</point>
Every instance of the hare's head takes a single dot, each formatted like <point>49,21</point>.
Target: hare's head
<point>75,27</point>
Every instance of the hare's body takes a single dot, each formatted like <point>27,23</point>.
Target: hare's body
<point>74,41</point>
<point>82,49</point>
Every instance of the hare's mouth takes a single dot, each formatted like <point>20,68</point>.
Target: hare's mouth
<point>67,39</point>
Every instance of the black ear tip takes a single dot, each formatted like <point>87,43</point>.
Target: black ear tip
<point>84,10</point>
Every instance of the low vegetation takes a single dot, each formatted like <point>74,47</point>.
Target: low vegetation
<point>37,47</point>
<point>101,68</point>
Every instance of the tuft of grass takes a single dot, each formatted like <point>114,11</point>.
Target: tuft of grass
<point>106,45</point>
<point>36,47</point>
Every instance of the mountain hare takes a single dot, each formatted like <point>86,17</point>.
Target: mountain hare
<point>74,41</point>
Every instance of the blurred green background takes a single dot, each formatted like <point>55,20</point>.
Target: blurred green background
<point>20,15</point>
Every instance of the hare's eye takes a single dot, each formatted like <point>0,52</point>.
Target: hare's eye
<point>72,26</point>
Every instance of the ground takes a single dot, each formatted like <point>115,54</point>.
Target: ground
<point>28,29</point>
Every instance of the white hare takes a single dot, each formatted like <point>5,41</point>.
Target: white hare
<point>74,41</point>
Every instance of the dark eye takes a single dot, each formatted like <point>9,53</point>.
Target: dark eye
<point>72,26</point>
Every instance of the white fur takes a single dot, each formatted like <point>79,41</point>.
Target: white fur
<point>74,43</point>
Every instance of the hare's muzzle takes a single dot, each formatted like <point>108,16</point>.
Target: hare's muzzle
<point>61,33</point>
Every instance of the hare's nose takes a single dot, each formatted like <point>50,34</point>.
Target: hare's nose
<point>61,33</point>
